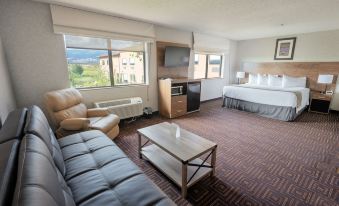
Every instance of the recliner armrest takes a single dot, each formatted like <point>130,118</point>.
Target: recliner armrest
<point>75,124</point>
<point>97,112</point>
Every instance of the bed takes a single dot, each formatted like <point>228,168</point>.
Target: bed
<point>269,101</point>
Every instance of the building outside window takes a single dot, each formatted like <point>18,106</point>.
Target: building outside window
<point>89,59</point>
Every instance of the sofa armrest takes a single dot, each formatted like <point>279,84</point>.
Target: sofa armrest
<point>75,124</point>
<point>97,112</point>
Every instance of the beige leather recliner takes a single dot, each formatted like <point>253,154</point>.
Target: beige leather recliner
<point>70,115</point>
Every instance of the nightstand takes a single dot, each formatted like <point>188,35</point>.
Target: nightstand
<point>320,103</point>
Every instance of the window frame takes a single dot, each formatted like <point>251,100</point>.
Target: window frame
<point>207,63</point>
<point>110,63</point>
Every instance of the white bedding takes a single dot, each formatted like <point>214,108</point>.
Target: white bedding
<point>270,95</point>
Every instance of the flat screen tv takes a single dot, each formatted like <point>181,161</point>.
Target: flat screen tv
<point>177,56</point>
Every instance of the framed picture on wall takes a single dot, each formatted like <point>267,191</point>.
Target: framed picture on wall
<point>284,48</point>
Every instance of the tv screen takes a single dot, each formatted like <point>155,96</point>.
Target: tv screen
<point>177,56</point>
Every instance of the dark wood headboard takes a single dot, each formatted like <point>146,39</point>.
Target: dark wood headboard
<point>296,69</point>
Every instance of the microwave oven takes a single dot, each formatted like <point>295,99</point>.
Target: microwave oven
<point>176,90</point>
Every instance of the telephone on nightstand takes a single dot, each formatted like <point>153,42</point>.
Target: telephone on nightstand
<point>329,92</point>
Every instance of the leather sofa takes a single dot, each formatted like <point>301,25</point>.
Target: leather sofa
<point>85,168</point>
<point>70,115</point>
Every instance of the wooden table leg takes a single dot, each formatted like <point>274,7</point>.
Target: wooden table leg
<point>184,180</point>
<point>213,160</point>
<point>139,145</point>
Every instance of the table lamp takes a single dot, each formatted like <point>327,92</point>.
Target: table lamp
<point>325,79</point>
<point>240,75</point>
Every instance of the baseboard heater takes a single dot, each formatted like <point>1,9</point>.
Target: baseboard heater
<point>124,108</point>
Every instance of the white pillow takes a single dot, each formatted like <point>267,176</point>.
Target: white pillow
<point>274,81</point>
<point>252,79</point>
<point>262,80</point>
<point>293,81</point>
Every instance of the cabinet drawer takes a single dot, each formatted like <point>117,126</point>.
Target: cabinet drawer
<point>178,106</point>
<point>182,99</point>
<point>178,112</point>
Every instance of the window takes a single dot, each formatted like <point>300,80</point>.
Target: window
<point>207,66</point>
<point>196,59</point>
<point>200,66</point>
<point>132,77</point>
<point>124,61</point>
<point>214,66</point>
<point>125,77</point>
<point>131,61</point>
<point>84,68</point>
<point>92,64</point>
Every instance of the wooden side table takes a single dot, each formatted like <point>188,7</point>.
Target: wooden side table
<point>320,103</point>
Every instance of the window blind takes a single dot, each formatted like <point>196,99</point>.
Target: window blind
<point>85,23</point>
<point>210,44</point>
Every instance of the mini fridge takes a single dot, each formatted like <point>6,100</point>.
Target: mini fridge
<point>193,96</point>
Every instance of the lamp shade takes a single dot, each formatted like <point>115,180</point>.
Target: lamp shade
<point>240,75</point>
<point>325,79</point>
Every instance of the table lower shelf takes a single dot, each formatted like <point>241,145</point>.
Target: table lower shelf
<point>171,167</point>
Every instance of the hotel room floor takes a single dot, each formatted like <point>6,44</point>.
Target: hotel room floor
<point>260,161</point>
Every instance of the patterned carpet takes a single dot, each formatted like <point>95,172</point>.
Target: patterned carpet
<point>259,161</point>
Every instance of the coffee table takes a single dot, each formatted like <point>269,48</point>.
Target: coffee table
<point>177,158</point>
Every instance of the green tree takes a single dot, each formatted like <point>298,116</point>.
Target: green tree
<point>77,69</point>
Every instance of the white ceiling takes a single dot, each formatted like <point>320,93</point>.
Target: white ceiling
<point>234,19</point>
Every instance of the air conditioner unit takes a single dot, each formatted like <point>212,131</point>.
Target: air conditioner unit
<point>124,108</point>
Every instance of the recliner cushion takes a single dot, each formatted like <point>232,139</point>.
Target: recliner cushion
<point>63,104</point>
<point>39,181</point>
<point>76,111</point>
<point>99,173</point>
<point>104,124</point>
<point>62,99</point>
<point>37,124</point>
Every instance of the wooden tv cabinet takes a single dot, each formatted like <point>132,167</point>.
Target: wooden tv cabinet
<point>174,106</point>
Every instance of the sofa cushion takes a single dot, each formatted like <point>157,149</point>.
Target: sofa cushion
<point>8,169</point>
<point>14,125</point>
<point>104,124</point>
<point>37,124</point>
<point>99,173</point>
<point>39,181</point>
<point>10,137</point>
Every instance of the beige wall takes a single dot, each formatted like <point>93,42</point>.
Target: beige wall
<point>318,46</point>
<point>36,56</point>
<point>7,102</point>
